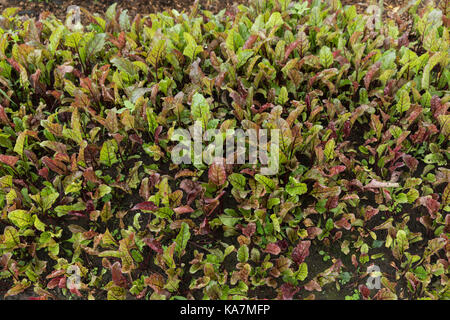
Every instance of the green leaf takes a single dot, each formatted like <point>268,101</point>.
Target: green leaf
<point>243,56</point>
<point>412,195</point>
<point>273,202</point>
<point>295,188</point>
<point>302,272</point>
<point>426,77</point>
<point>21,218</point>
<point>435,158</point>
<point>268,183</point>
<point>17,288</point>
<point>151,120</point>
<point>404,102</point>
<point>74,187</point>
<point>124,65</point>
<point>48,197</point>
<point>38,224</point>
<point>329,149</point>
<point>115,292</point>
<point>421,273</point>
<point>400,244</point>
<point>274,20</point>
<point>283,96</point>
<point>326,57</point>
<point>228,221</point>
<point>243,253</point>
<point>137,256</point>
<point>105,213</point>
<point>18,148</point>
<point>73,39</point>
<point>182,239</point>
<point>238,181</point>
<point>444,121</point>
<point>63,210</point>
<point>230,41</point>
<point>228,250</point>
<point>4,140</point>
<point>275,222</point>
<point>111,11</point>
<point>401,198</point>
<point>110,253</point>
<point>258,24</point>
<point>412,182</point>
<point>192,49</point>
<point>200,108</point>
<point>108,239</point>
<point>95,45</point>
<point>157,53</point>
<point>124,20</point>
<point>6,181</point>
<point>108,153</point>
<point>55,38</point>
<point>364,258</point>
<point>10,238</point>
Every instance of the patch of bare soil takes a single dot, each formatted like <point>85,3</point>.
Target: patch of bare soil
<point>33,8</point>
<point>59,7</point>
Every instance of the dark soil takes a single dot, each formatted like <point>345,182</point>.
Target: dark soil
<point>33,8</point>
<point>59,7</point>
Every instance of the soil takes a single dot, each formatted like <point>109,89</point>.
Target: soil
<point>33,8</point>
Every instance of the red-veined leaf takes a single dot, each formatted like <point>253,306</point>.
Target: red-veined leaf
<point>146,206</point>
<point>9,160</point>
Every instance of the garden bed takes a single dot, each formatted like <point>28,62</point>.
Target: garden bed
<point>95,206</point>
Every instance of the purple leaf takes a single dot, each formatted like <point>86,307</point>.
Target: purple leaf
<point>301,251</point>
<point>249,230</point>
<point>146,206</point>
<point>288,291</point>
<point>273,248</point>
<point>117,276</point>
<point>217,174</point>
<point>154,245</point>
<point>183,209</point>
<point>9,160</point>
